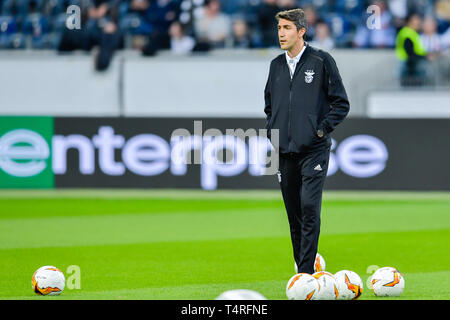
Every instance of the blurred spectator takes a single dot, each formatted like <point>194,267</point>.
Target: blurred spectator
<point>421,7</point>
<point>103,28</point>
<point>399,11</point>
<point>133,22</point>
<point>431,40</point>
<point>232,7</point>
<point>9,38</point>
<point>110,41</point>
<point>139,7</point>
<point>411,52</point>
<point>446,39</point>
<point>99,29</point>
<point>443,9</point>
<point>145,24</point>
<point>287,4</point>
<point>442,14</point>
<point>160,15</point>
<point>97,15</point>
<point>19,8</point>
<point>268,23</point>
<point>311,18</point>
<point>189,10</point>
<point>213,27</point>
<point>76,39</point>
<point>180,43</point>
<point>352,8</point>
<point>240,35</point>
<point>37,26</point>
<point>384,37</point>
<point>322,38</point>
<point>98,9</point>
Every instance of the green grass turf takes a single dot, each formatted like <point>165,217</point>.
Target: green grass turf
<point>168,244</point>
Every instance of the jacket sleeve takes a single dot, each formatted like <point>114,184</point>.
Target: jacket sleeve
<point>336,96</point>
<point>267,102</point>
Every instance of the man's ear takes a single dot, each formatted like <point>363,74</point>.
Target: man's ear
<point>301,32</point>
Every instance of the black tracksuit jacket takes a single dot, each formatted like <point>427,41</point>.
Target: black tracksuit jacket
<point>314,99</point>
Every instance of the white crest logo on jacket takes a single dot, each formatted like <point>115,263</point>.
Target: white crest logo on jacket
<point>309,76</point>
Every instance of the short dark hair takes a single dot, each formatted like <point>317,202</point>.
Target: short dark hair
<point>411,15</point>
<point>297,16</point>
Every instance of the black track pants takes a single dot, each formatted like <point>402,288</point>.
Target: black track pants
<point>301,178</point>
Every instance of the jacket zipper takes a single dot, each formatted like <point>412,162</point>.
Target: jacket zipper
<point>289,112</point>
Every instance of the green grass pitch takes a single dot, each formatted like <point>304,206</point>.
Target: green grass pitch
<point>169,244</point>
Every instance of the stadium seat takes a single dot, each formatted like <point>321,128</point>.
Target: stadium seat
<point>135,25</point>
<point>341,27</point>
<point>10,38</point>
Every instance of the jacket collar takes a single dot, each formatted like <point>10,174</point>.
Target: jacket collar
<point>300,63</point>
<point>299,55</point>
<point>302,59</point>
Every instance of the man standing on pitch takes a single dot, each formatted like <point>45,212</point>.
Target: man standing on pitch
<point>305,100</point>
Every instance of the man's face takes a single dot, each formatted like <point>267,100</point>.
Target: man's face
<point>288,34</point>
<point>429,26</point>
<point>416,22</point>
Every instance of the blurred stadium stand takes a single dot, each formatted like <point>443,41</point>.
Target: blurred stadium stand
<point>41,22</point>
<point>120,35</point>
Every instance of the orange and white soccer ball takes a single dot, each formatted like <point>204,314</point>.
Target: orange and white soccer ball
<point>319,264</point>
<point>349,285</point>
<point>387,282</point>
<point>327,286</point>
<point>48,280</point>
<point>302,286</point>
<point>241,294</point>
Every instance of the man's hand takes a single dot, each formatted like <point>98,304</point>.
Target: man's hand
<point>432,56</point>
